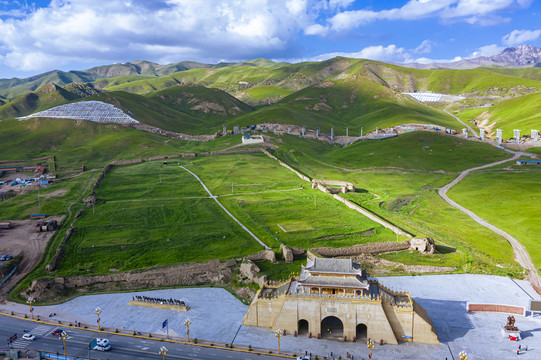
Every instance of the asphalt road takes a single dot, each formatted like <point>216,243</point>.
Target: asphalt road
<point>122,347</point>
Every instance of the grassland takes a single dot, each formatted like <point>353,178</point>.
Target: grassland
<point>405,191</point>
<point>137,216</point>
<point>508,200</point>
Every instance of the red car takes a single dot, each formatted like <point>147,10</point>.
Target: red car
<point>57,332</point>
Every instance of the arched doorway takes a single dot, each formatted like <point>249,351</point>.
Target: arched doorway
<point>332,327</point>
<point>361,332</point>
<point>303,327</point>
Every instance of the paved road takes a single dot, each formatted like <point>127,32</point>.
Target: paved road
<point>463,123</point>
<point>521,255</point>
<point>226,211</point>
<point>122,347</point>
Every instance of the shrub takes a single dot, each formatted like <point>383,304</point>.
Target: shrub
<point>249,347</point>
<point>149,335</point>
<point>116,331</point>
<point>195,341</point>
<point>134,333</point>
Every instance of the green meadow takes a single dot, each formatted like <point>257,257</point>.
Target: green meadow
<point>508,200</point>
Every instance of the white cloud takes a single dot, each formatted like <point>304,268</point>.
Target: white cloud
<point>486,50</point>
<point>424,48</point>
<point>390,53</point>
<point>481,12</point>
<point>518,37</point>
<point>86,30</point>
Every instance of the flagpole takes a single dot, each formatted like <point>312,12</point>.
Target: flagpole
<point>167,328</point>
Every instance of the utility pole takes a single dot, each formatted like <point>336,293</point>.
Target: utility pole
<point>39,201</point>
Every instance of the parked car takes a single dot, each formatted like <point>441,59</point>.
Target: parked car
<point>304,357</point>
<point>57,332</point>
<point>102,345</point>
<point>28,337</point>
<point>5,257</point>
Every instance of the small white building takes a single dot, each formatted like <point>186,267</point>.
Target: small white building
<point>247,139</point>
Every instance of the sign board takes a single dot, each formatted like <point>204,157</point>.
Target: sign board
<point>535,305</point>
<point>92,344</point>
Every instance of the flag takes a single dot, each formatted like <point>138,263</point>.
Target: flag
<point>164,324</point>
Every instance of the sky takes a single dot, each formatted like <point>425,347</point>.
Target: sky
<point>42,35</point>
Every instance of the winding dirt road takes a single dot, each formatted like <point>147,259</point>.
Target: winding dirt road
<point>521,255</point>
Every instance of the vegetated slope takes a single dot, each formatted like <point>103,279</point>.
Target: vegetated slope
<point>202,102</point>
<point>355,102</point>
<point>418,150</point>
<point>526,73</point>
<point>241,80</point>
<point>46,97</point>
<point>152,111</point>
<point>77,142</point>
<point>517,113</point>
<point>11,88</point>
<point>508,202</point>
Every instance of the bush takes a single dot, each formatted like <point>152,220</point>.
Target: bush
<point>211,344</point>
<point>249,347</point>
<point>149,335</point>
<point>195,341</point>
<point>134,333</point>
<point>270,351</point>
<point>25,316</point>
<point>116,331</point>
<point>231,346</point>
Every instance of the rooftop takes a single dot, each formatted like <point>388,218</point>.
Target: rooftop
<point>333,266</point>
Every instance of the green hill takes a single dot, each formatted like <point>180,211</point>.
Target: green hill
<point>201,102</point>
<point>46,97</point>
<point>516,113</point>
<point>354,102</point>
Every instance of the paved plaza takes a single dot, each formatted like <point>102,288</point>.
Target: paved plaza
<point>217,316</point>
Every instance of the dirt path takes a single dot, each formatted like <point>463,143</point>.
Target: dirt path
<point>521,255</point>
<point>215,198</point>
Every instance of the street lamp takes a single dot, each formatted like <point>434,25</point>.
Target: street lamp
<point>463,355</point>
<point>30,302</point>
<point>163,351</point>
<point>278,333</point>
<point>187,322</point>
<point>98,312</point>
<point>370,345</point>
<point>64,336</point>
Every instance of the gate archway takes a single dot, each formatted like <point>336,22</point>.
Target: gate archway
<point>332,327</point>
<point>302,327</point>
<point>361,332</point>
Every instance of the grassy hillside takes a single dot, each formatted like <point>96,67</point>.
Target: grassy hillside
<point>516,113</point>
<point>46,97</point>
<point>354,103</point>
<point>507,200</point>
<point>210,104</point>
<point>92,144</point>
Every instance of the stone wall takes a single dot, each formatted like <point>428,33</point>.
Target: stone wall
<point>370,248</point>
<point>508,309</point>
<point>212,271</point>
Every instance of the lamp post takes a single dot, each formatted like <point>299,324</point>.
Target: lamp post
<point>370,346</point>
<point>64,336</point>
<point>163,351</point>
<point>278,333</point>
<point>30,302</point>
<point>463,355</point>
<point>98,312</point>
<point>187,322</point>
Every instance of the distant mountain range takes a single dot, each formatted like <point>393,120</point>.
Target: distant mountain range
<point>520,56</point>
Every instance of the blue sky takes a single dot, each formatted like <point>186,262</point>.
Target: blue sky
<point>42,35</point>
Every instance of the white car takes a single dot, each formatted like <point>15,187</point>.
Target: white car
<point>28,337</point>
<point>102,345</point>
<point>304,357</point>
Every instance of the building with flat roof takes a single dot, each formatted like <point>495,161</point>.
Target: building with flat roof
<point>334,298</point>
